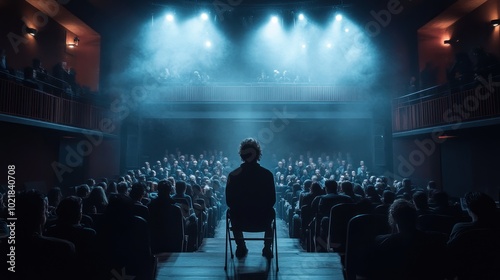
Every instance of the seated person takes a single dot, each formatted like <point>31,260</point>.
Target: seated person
<point>137,194</point>
<point>474,247</point>
<point>37,256</point>
<point>180,193</point>
<point>442,205</point>
<point>30,79</point>
<point>123,241</point>
<point>250,196</point>
<point>166,222</point>
<point>407,253</point>
<point>326,203</point>
<point>483,211</point>
<point>68,227</point>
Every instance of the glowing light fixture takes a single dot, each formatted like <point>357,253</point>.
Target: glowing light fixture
<point>495,22</point>
<point>170,17</point>
<point>447,42</point>
<point>204,16</point>
<point>304,46</point>
<point>346,30</point>
<point>274,19</point>
<point>329,45</point>
<point>301,17</point>
<point>31,31</point>
<point>338,17</point>
<point>75,43</point>
<point>208,44</point>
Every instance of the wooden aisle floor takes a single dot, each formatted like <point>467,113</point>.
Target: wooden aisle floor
<point>208,262</point>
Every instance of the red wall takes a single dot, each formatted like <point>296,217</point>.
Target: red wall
<point>472,31</point>
<point>49,45</point>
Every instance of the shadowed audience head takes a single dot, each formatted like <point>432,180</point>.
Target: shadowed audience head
<point>164,188</point>
<point>480,205</point>
<point>54,196</point>
<point>388,197</point>
<point>441,199</point>
<point>83,191</point>
<point>420,200</point>
<point>402,215</point>
<point>180,187</point>
<point>122,188</point>
<point>347,187</point>
<point>137,192</point>
<point>406,184</point>
<point>308,185</point>
<point>316,188</point>
<point>69,210</point>
<point>331,186</point>
<point>31,209</point>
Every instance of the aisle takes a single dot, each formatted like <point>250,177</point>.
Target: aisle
<point>208,262</point>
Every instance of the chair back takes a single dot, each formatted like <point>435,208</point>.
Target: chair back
<point>361,232</point>
<point>184,205</point>
<point>340,215</point>
<point>439,223</point>
<point>167,230</point>
<point>476,254</point>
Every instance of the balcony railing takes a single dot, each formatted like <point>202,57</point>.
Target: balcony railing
<point>257,93</point>
<point>21,101</point>
<point>423,110</point>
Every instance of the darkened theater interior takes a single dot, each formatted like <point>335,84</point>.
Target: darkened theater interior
<point>170,139</point>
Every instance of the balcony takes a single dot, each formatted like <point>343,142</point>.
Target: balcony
<point>437,107</point>
<point>257,93</point>
<point>24,102</point>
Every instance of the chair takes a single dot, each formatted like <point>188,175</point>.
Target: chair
<point>475,254</point>
<point>340,215</point>
<point>439,223</point>
<point>273,239</point>
<point>167,229</point>
<point>306,216</point>
<point>361,232</point>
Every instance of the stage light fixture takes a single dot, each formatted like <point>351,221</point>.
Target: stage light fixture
<point>208,44</point>
<point>495,22</point>
<point>204,16</point>
<point>31,31</point>
<point>274,19</point>
<point>338,17</point>
<point>75,43</point>
<point>301,16</point>
<point>170,17</point>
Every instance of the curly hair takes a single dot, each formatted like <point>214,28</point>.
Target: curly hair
<point>250,150</point>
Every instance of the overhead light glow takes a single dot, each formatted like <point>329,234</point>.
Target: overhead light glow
<point>338,17</point>
<point>208,44</point>
<point>301,17</point>
<point>329,45</point>
<point>170,17</point>
<point>346,30</point>
<point>274,19</point>
<point>204,16</point>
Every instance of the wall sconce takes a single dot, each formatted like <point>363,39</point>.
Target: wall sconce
<point>75,43</point>
<point>495,22</point>
<point>31,31</point>
<point>447,42</point>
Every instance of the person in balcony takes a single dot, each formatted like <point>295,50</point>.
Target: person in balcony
<point>3,62</point>
<point>30,79</point>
